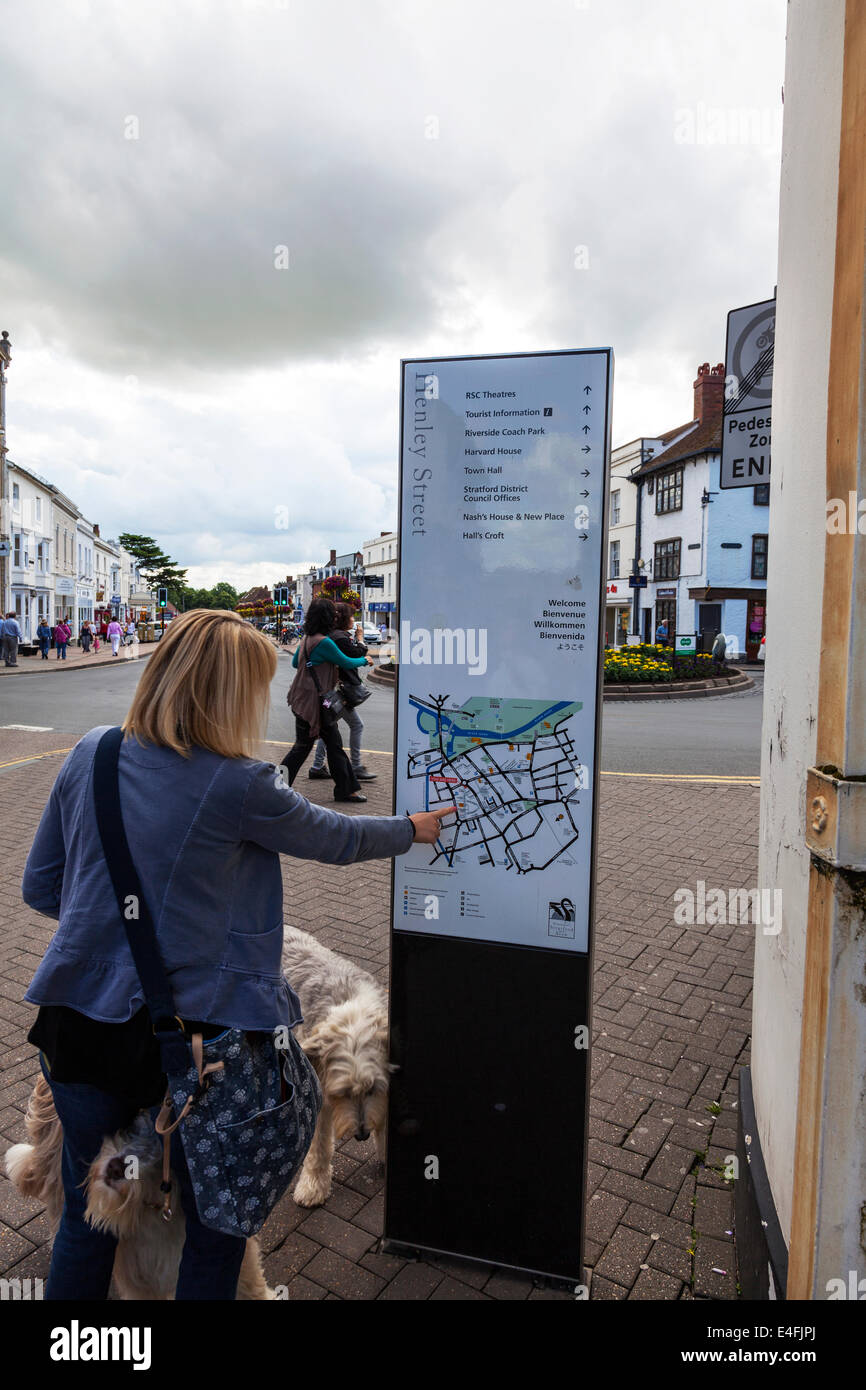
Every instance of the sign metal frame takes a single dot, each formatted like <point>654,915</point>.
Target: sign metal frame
<point>565,970</point>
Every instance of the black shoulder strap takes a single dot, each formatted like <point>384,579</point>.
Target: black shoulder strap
<point>134,914</point>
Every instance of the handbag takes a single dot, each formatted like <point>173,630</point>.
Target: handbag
<point>355,695</point>
<point>332,702</point>
<point>245,1105</point>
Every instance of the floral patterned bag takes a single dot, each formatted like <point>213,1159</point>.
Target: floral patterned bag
<point>245,1103</point>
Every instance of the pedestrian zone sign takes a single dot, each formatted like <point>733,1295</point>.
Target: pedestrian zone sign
<point>747,418</point>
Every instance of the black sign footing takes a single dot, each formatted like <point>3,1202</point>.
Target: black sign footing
<point>487,1108</point>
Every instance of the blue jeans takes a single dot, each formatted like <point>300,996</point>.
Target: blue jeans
<point>82,1258</point>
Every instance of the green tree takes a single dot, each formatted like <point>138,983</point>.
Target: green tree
<point>158,569</point>
<point>146,551</point>
<point>225,596</point>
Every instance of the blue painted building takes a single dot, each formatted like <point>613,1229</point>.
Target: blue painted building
<point>703,549</point>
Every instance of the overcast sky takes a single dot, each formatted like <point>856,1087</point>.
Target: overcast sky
<point>469,175</point>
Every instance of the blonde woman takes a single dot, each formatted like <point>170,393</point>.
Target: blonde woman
<point>206,823</point>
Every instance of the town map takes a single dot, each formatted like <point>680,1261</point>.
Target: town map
<point>510,769</point>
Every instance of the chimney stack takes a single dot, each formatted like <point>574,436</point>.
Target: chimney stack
<point>709,391</point>
<point>333,559</point>
<point>95,529</point>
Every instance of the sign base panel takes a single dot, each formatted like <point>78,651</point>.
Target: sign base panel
<point>482,1142</point>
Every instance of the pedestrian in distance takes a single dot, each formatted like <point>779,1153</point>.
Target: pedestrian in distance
<point>347,635</point>
<point>10,636</point>
<point>206,823</point>
<point>318,662</point>
<point>86,636</point>
<point>115,632</point>
<point>62,634</point>
<point>130,634</point>
<point>43,637</point>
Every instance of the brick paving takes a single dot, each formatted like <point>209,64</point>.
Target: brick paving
<point>671,1022</point>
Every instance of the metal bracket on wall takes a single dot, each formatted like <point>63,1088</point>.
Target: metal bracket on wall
<point>836,819</point>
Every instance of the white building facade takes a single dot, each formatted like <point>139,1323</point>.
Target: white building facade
<point>85,573</point>
<point>31,572</point>
<point>380,559</point>
<point>65,516</point>
<point>621,542</point>
<point>703,548</point>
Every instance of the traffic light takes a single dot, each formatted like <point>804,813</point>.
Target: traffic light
<point>162,597</point>
<point>281,596</point>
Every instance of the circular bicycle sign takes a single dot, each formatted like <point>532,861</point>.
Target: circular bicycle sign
<point>756,335</point>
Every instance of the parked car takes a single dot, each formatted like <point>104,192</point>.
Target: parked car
<point>372,635</point>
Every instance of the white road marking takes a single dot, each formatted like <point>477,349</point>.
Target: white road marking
<point>30,728</point>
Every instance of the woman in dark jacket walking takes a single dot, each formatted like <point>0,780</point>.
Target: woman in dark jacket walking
<point>43,637</point>
<point>318,661</point>
<point>347,636</point>
<point>206,823</point>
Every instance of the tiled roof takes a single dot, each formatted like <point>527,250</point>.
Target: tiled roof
<point>704,437</point>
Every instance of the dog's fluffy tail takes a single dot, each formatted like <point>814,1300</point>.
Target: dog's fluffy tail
<point>34,1169</point>
<point>24,1171</point>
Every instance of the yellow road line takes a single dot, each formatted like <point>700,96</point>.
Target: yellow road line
<point>34,757</point>
<point>731,779</point>
<point>735,779</point>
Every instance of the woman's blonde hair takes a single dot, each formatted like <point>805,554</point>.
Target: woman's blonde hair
<point>207,685</point>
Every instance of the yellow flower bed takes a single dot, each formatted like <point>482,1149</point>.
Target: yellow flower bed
<point>653,662</point>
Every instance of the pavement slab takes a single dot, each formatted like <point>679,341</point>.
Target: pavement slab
<point>671,1032</point>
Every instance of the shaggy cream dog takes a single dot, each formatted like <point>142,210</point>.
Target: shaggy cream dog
<point>345,1036</point>
<point>123,1197</point>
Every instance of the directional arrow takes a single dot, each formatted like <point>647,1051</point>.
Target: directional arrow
<point>585,429</point>
<point>584,473</point>
<point>583,494</point>
<point>586,390</point>
<point>586,449</point>
<point>582,536</point>
<point>587,409</point>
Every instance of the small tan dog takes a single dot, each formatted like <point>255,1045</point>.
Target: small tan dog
<point>345,1036</point>
<point>123,1197</point>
